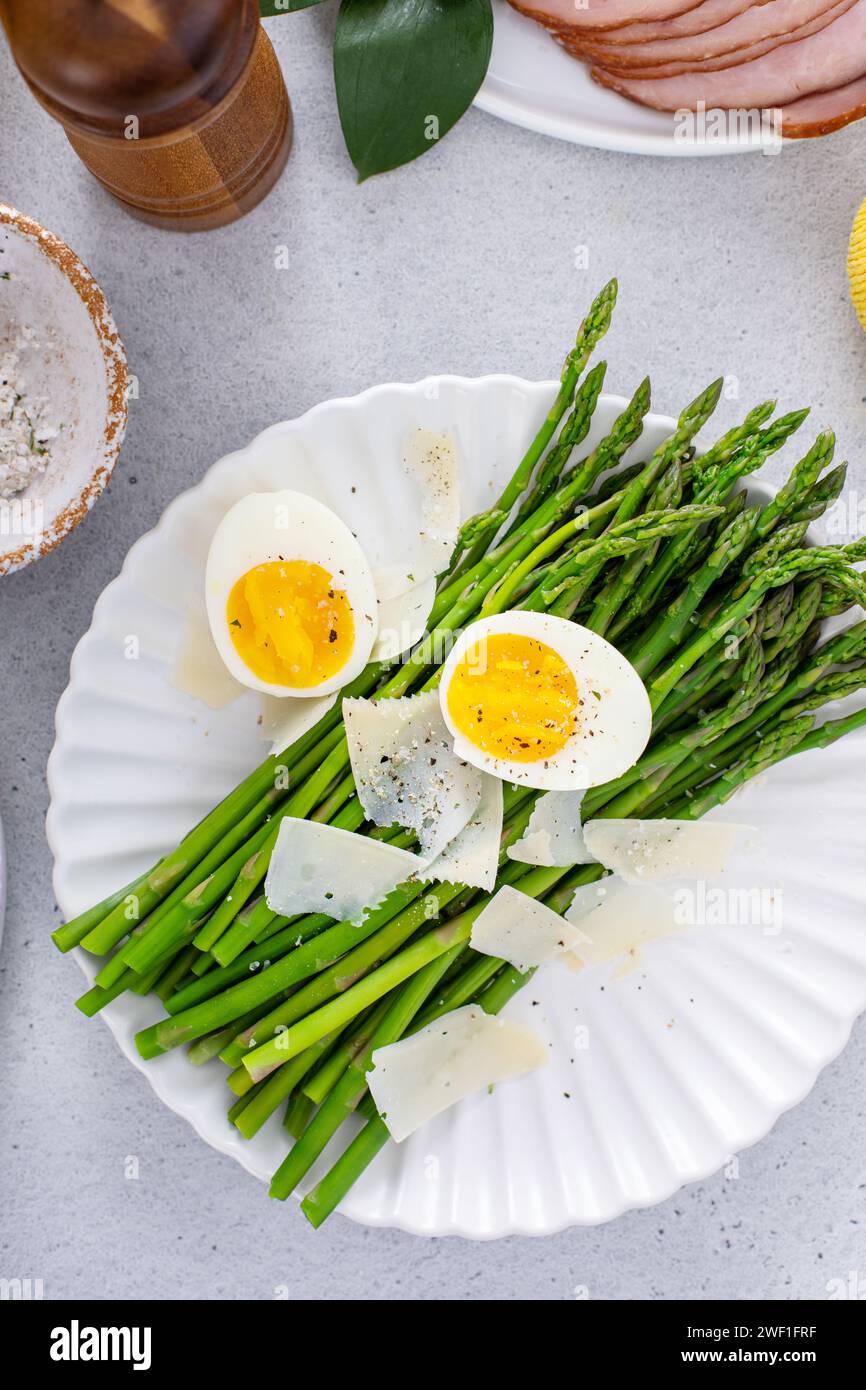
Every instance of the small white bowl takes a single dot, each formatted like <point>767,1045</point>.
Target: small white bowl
<point>78,363</point>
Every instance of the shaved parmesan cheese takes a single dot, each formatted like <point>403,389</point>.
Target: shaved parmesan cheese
<point>429,494</point>
<point>647,851</point>
<point>431,461</point>
<point>554,835</point>
<point>462,1052</point>
<point>318,868</point>
<point>618,919</point>
<point>522,931</point>
<point>589,896</point>
<point>403,619</point>
<point>472,857</point>
<point>199,670</point>
<point>284,720</point>
<point>392,581</point>
<point>406,771</point>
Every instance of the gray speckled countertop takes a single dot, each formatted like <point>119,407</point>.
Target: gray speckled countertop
<point>463,263</point>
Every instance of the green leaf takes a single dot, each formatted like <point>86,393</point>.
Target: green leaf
<point>272,7</point>
<point>405,71</point>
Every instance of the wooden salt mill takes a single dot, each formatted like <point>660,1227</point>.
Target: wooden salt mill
<point>177,106</point>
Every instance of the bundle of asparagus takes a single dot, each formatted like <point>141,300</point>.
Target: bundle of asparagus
<point>716,602</point>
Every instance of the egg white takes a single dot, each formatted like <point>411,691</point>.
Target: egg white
<point>615,716</point>
<point>266,526</point>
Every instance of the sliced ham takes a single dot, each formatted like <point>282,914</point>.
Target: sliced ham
<point>774,18</point>
<point>822,112</point>
<point>695,21</point>
<point>740,55</point>
<point>600,14</point>
<point>831,58</point>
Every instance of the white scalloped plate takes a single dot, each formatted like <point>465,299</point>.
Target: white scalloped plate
<point>671,1070</point>
<point>533,82</point>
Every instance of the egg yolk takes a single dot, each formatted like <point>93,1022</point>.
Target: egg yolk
<point>289,624</point>
<point>514,697</point>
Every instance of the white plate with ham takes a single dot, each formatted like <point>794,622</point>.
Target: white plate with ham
<point>678,77</point>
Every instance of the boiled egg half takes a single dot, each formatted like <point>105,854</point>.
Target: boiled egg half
<point>543,702</point>
<point>290,596</point>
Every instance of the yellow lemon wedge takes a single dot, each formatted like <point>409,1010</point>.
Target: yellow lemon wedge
<point>857,264</point>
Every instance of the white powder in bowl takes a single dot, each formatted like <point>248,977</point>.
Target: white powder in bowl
<point>25,433</point>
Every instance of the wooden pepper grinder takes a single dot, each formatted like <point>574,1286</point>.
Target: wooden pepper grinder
<point>177,106</point>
